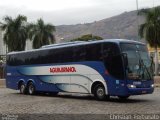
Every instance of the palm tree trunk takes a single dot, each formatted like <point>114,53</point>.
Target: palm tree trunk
<point>156,61</point>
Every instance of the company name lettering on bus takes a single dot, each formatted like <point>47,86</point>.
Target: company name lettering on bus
<point>62,69</point>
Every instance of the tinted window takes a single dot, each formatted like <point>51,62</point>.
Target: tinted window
<point>94,52</point>
<point>68,54</point>
<point>90,52</point>
<point>54,56</point>
<point>79,53</point>
<point>113,60</point>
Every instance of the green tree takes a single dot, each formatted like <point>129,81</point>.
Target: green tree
<point>87,38</point>
<point>15,33</point>
<point>150,30</point>
<point>41,34</point>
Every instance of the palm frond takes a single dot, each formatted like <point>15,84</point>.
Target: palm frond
<point>15,33</point>
<point>41,33</point>
<point>150,30</point>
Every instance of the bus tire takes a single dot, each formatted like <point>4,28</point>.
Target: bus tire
<point>22,88</point>
<point>31,88</point>
<point>123,97</point>
<point>99,92</point>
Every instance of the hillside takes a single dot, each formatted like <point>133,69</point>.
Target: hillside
<point>121,26</point>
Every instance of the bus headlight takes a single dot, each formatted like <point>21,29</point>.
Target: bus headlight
<point>131,86</point>
<point>152,85</point>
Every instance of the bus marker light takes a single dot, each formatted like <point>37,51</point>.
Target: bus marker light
<point>106,72</point>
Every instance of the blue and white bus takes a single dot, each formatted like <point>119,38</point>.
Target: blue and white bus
<point>111,67</point>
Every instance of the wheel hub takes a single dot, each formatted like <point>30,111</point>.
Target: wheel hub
<point>22,88</point>
<point>31,89</point>
<point>100,92</point>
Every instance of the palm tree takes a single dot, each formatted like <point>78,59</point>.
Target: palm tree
<point>15,33</point>
<point>41,34</point>
<point>150,30</point>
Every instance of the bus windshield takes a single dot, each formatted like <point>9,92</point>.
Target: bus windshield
<point>139,65</point>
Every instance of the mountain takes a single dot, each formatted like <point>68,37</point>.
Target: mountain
<point>121,26</point>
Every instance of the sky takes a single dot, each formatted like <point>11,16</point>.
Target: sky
<point>60,12</point>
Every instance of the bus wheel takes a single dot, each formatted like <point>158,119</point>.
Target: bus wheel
<point>31,89</point>
<point>99,92</point>
<point>22,88</point>
<point>123,97</point>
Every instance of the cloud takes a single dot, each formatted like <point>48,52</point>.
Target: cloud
<point>70,11</point>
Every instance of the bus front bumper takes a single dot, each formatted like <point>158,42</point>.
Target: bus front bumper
<point>139,91</point>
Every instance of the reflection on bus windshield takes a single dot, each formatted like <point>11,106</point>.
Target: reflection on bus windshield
<point>139,65</point>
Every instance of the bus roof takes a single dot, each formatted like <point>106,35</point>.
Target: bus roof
<point>67,44</point>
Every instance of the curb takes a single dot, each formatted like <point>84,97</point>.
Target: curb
<point>2,83</point>
<point>157,85</point>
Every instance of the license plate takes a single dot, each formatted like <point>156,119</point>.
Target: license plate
<point>136,83</point>
<point>143,92</point>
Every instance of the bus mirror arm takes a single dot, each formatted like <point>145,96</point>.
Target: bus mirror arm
<point>125,59</point>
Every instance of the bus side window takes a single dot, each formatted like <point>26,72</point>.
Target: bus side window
<point>94,52</point>
<point>56,58</point>
<point>42,57</point>
<point>61,56</point>
<point>79,53</point>
<point>51,56</point>
<point>107,54</point>
<point>10,60</point>
<point>68,53</point>
<point>19,59</point>
<point>112,60</point>
<point>36,58</point>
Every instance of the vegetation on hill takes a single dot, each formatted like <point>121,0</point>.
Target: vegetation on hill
<point>123,26</point>
<point>87,38</point>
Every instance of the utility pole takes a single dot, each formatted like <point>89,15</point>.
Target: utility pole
<point>137,20</point>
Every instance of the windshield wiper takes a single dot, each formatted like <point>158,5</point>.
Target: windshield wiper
<point>142,63</point>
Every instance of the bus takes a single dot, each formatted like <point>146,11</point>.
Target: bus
<point>104,68</point>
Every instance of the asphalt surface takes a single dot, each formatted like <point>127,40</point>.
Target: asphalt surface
<point>11,102</point>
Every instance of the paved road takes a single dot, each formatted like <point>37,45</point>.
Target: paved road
<point>13,102</point>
